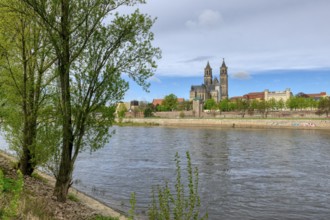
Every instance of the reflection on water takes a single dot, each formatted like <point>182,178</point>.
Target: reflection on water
<point>244,174</point>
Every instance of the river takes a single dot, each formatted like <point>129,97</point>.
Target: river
<point>244,173</point>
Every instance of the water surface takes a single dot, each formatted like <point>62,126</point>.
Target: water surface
<point>244,173</point>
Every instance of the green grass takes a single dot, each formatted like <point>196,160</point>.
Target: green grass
<point>101,217</point>
<point>73,197</point>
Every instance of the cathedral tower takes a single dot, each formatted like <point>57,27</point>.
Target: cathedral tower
<point>224,80</point>
<point>208,74</point>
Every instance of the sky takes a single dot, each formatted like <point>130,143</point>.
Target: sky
<point>266,44</point>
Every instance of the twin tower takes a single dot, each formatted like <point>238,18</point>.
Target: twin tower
<point>212,88</point>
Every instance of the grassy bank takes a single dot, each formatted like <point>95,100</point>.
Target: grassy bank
<point>32,198</point>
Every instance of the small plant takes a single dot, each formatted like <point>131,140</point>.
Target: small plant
<point>132,201</point>
<point>73,197</point>
<point>166,205</point>
<point>182,115</point>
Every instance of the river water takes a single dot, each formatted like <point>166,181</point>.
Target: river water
<point>244,173</point>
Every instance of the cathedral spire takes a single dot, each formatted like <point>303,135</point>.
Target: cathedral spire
<point>223,63</point>
<point>208,65</point>
<point>208,74</point>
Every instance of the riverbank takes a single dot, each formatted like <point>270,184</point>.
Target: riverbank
<point>37,199</point>
<point>236,123</point>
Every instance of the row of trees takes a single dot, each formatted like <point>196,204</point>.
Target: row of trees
<point>171,103</point>
<point>262,106</point>
<point>60,77</point>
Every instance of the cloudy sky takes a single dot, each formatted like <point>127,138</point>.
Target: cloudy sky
<point>267,44</point>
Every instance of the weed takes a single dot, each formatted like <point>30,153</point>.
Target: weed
<point>132,201</point>
<point>73,197</point>
<point>178,206</point>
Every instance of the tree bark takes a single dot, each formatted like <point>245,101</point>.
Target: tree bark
<point>64,177</point>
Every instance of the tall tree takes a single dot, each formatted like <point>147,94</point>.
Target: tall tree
<point>324,106</point>
<point>170,102</point>
<point>25,72</point>
<point>91,58</point>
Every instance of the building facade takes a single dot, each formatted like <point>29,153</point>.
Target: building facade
<point>211,88</point>
<point>269,95</point>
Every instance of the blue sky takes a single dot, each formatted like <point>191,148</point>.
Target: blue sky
<point>273,44</point>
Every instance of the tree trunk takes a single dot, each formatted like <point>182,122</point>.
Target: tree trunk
<point>63,180</point>
<point>25,163</point>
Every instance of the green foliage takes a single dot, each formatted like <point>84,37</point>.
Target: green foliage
<point>10,193</point>
<point>324,106</point>
<point>121,111</point>
<point>224,105</point>
<point>148,111</point>
<point>210,104</point>
<point>170,102</point>
<point>166,205</point>
<point>25,73</point>
<point>90,60</point>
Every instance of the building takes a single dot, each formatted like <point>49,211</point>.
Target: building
<point>317,96</point>
<point>267,95</point>
<point>277,96</point>
<point>254,96</point>
<point>211,88</point>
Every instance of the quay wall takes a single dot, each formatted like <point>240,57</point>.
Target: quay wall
<point>236,123</point>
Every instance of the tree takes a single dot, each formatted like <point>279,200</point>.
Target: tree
<point>224,105</point>
<point>90,60</point>
<point>26,76</point>
<point>148,111</point>
<point>242,105</point>
<point>324,106</point>
<point>210,104</point>
<point>170,102</point>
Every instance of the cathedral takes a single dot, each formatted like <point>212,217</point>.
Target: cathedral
<point>211,88</point>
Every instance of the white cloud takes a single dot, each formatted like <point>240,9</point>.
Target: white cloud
<point>241,75</point>
<point>207,19</point>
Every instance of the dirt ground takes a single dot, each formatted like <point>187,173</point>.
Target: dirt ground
<point>39,192</point>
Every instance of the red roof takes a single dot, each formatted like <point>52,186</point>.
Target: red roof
<point>322,94</point>
<point>254,95</point>
<point>156,102</point>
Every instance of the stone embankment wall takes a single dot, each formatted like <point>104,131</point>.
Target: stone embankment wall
<point>237,123</point>
<point>214,114</point>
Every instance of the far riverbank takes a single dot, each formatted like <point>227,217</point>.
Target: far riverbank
<point>236,123</point>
